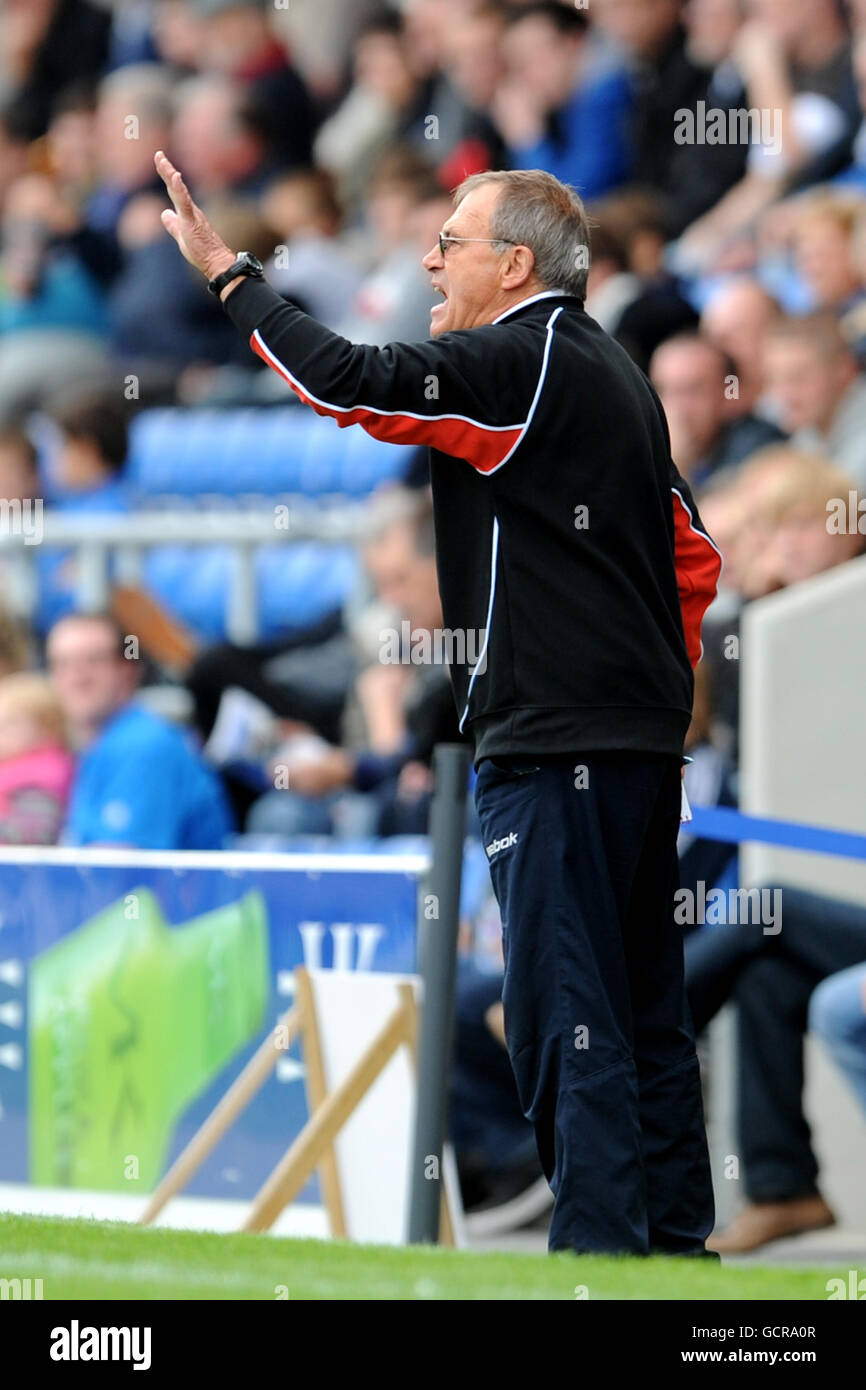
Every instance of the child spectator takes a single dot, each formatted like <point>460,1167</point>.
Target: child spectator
<point>36,768</point>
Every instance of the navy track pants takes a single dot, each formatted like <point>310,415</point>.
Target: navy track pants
<point>582,853</point>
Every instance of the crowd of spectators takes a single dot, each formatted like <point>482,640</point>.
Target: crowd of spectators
<point>721,148</point>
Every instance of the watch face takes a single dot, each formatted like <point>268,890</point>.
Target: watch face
<point>252,262</point>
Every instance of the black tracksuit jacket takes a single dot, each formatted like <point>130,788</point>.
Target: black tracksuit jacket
<point>564,532</point>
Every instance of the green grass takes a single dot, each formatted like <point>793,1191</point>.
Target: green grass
<point>112,1260</point>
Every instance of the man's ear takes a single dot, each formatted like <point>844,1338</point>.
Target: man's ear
<point>518,267</point>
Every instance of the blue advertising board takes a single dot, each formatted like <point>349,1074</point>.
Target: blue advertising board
<point>134,987</point>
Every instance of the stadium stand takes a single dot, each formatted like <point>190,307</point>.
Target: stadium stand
<point>754,241</point>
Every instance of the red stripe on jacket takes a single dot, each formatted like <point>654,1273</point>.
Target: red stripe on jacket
<point>483,447</point>
<point>699,565</point>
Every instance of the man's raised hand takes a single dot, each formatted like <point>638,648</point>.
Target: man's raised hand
<point>195,236</point>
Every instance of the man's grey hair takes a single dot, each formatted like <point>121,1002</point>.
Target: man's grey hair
<point>147,88</point>
<point>534,209</point>
<point>393,505</point>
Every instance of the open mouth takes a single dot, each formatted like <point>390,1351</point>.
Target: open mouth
<point>439,308</point>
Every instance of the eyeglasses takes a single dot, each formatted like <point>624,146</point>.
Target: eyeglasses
<point>446,241</point>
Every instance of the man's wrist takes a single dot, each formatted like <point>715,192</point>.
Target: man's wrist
<point>232,285</point>
<point>219,263</point>
<point>218,266</point>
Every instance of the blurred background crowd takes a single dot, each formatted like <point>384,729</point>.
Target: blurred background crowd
<point>326,136</point>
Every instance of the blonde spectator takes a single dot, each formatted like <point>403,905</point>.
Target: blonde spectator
<point>819,396</point>
<point>824,251</point>
<point>784,536</point>
<point>36,768</point>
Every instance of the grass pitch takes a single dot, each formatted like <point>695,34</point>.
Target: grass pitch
<point>113,1260</point>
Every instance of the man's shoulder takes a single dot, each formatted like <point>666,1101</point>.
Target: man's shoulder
<point>540,307</point>
<point>137,730</point>
<point>745,435</point>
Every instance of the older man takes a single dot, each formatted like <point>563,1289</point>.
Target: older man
<point>559,515</point>
<point>709,433</point>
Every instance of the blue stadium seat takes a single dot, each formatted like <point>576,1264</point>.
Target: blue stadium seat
<point>255,450</point>
<point>261,455</point>
<point>298,585</point>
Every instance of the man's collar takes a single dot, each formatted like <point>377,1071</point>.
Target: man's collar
<point>534,299</point>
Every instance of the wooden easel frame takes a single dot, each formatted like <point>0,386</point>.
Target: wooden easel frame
<point>329,1111</point>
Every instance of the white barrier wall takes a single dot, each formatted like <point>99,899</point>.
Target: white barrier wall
<point>803,724</point>
<point>803,758</point>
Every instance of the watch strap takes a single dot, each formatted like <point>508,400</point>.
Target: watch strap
<point>243,265</point>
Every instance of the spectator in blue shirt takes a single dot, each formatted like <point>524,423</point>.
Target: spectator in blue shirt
<point>138,782</point>
<point>85,474</point>
<point>566,103</point>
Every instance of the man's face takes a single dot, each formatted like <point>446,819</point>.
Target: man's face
<point>404,579</point>
<point>691,387</point>
<point>18,478</point>
<point>475,60</point>
<point>469,274</point>
<point>803,383</point>
<point>790,23</point>
<point>92,681</point>
<point>78,464</point>
<point>178,32</point>
<point>804,547</point>
<point>641,25</point>
<point>823,257</point>
<point>542,61</point>
<point>712,27</point>
<point>428,24</point>
<point>232,37</point>
<point>212,148</point>
<point>736,321</point>
<point>72,145</point>
<point>381,67</point>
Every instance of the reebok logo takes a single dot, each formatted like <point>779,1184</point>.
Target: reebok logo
<point>496,845</point>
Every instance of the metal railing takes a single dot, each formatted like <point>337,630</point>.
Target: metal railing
<point>123,538</point>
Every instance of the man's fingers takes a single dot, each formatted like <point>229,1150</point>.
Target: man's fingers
<point>173,180</point>
<point>170,222</point>
<point>180,195</point>
<point>164,167</point>
<point>187,224</point>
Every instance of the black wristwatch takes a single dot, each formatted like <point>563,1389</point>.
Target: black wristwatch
<point>246,264</point>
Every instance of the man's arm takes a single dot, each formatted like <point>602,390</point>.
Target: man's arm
<point>698,563</point>
<point>697,558</point>
<point>455,394</point>
<point>463,394</point>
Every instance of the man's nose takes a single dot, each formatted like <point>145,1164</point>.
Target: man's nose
<point>433,260</point>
